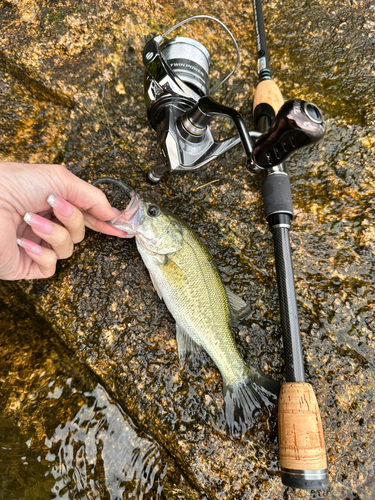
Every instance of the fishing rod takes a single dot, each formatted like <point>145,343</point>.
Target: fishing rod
<point>178,96</point>
<point>302,455</point>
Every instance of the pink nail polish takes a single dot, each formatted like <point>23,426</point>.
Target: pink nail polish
<point>30,245</point>
<point>39,223</point>
<point>61,206</point>
<point>116,210</point>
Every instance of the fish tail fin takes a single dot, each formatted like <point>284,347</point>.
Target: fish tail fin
<point>245,397</point>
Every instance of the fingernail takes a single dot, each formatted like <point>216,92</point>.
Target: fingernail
<point>126,235</point>
<point>116,210</point>
<point>60,205</point>
<point>39,223</point>
<point>30,245</point>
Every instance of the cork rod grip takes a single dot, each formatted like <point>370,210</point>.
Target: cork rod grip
<point>267,92</point>
<point>302,454</point>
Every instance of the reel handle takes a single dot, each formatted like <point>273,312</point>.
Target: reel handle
<point>205,109</point>
<point>296,125</point>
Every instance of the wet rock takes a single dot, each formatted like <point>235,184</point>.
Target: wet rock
<point>327,56</point>
<point>74,94</point>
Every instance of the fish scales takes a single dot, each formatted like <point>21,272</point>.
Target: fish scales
<point>185,276</point>
<point>195,296</point>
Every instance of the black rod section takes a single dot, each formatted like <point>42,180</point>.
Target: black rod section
<point>294,369</point>
<point>263,61</point>
<point>278,209</point>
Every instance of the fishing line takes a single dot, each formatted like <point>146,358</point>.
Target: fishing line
<point>109,180</point>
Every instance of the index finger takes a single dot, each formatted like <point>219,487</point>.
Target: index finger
<point>102,227</point>
<point>70,216</point>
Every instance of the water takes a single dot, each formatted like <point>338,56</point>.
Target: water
<point>62,435</point>
<point>97,454</point>
<point>73,93</point>
<point>99,437</point>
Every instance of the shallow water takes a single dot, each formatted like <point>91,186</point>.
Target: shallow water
<point>72,92</point>
<point>62,435</point>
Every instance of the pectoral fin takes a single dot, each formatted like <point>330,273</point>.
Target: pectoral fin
<point>186,345</point>
<point>238,307</point>
<point>158,291</point>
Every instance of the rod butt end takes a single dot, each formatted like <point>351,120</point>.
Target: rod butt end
<point>305,479</point>
<point>302,454</point>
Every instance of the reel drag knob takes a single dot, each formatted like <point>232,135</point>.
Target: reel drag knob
<point>297,124</point>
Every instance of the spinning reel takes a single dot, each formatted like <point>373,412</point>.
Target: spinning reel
<point>179,108</point>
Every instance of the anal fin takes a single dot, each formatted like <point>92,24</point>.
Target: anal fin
<point>186,345</point>
<point>239,309</point>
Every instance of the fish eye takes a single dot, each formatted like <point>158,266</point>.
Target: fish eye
<point>153,211</point>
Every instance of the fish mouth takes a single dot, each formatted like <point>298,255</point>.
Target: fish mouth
<point>131,217</point>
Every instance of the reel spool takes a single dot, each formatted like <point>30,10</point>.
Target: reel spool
<point>194,67</point>
<point>177,89</point>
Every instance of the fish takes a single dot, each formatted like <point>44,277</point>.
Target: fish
<point>186,277</point>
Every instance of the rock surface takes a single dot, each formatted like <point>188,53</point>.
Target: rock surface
<point>72,93</point>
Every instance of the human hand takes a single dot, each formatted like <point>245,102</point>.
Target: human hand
<point>45,234</point>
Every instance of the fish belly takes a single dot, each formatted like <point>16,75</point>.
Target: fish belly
<point>191,288</point>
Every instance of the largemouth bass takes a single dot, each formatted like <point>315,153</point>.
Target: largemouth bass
<point>186,278</point>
